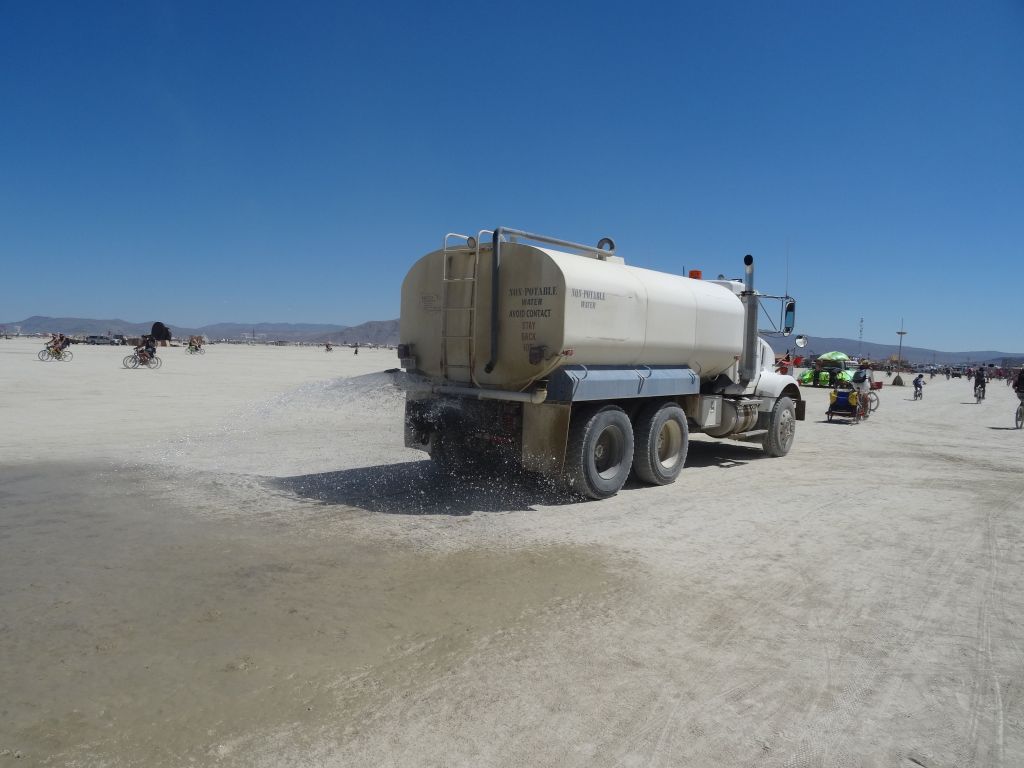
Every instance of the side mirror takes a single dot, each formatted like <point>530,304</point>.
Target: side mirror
<point>801,341</point>
<point>789,318</point>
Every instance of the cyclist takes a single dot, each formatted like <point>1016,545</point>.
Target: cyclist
<point>59,343</point>
<point>979,381</point>
<point>328,347</point>
<point>862,378</point>
<point>1018,383</point>
<point>146,349</point>
<point>919,386</point>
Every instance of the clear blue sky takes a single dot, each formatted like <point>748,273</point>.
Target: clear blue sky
<point>199,162</point>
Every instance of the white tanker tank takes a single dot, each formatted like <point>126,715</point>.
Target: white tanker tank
<point>579,365</point>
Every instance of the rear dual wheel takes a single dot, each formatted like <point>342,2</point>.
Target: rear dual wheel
<point>599,453</point>
<point>604,445</point>
<point>661,441</point>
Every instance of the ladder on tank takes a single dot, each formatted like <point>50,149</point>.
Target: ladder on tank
<point>458,307</point>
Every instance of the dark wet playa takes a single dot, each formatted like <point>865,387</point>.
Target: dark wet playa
<point>135,633</point>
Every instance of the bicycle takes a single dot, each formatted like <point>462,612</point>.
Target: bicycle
<point>50,353</point>
<point>134,360</point>
<point>918,393</point>
<point>979,393</point>
<point>196,351</point>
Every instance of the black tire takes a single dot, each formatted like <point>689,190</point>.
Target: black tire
<point>130,361</point>
<point>599,454</point>
<point>44,354</point>
<point>1020,416</point>
<point>661,439</point>
<point>782,428</point>
<point>873,401</point>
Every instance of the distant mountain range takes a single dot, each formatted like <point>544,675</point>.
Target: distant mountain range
<point>373,332</point>
<point>819,345</point>
<point>386,332</point>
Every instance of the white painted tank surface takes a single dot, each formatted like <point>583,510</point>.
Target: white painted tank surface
<point>561,308</point>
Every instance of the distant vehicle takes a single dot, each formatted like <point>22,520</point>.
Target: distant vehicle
<point>956,373</point>
<point>97,340</point>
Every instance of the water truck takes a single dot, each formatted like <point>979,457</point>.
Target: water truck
<point>575,365</point>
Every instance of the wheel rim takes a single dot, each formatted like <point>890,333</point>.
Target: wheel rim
<point>670,444</point>
<point>787,429</point>
<point>608,450</point>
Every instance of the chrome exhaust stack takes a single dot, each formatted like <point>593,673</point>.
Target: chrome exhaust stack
<point>748,362</point>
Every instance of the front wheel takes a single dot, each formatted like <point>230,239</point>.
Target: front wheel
<point>873,400</point>
<point>661,439</point>
<point>600,452</point>
<point>130,361</point>
<point>781,428</point>
<point>1020,416</point>
<point>44,354</point>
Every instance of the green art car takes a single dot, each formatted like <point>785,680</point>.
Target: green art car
<point>826,377</point>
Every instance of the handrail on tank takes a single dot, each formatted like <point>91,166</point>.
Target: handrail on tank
<point>599,250</point>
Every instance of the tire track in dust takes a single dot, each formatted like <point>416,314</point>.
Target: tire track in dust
<point>870,672</point>
<point>992,600</point>
<point>669,715</point>
<point>682,714</point>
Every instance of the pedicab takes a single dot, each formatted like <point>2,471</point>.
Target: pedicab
<point>848,404</point>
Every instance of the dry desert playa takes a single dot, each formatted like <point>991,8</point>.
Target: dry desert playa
<point>232,561</point>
